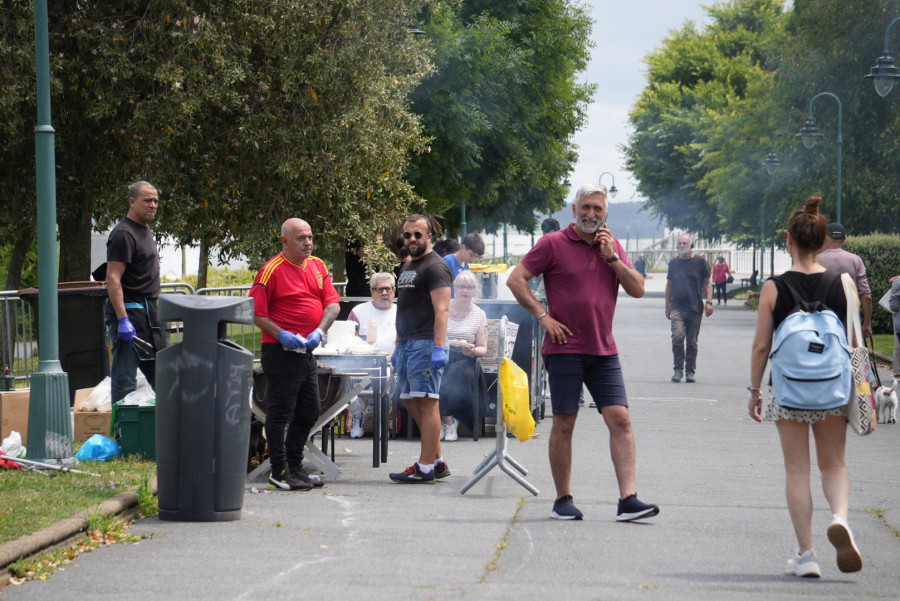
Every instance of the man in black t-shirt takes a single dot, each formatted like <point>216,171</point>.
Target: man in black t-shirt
<point>423,304</point>
<point>132,279</point>
<point>687,286</point>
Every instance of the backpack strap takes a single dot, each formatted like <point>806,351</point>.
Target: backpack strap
<point>818,301</point>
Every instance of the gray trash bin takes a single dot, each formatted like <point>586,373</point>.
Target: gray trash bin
<point>203,410</point>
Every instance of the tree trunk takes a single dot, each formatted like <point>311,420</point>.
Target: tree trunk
<point>17,260</point>
<point>203,267</point>
<point>8,316</point>
<point>75,241</point>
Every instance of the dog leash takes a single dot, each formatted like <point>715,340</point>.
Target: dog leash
<point>870,346</point>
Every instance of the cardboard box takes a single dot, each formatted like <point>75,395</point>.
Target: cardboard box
<point>88,423</point>
<point>14,413</point>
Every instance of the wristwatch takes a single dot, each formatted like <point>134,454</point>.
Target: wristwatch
<point>613,258</point>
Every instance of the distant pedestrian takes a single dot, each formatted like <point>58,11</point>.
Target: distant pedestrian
<point>720,275</point>
<point>641,265</point>
<point>549,225</point>
<point>835,258</point>
<point>894,304</point>
<point>583,267</point>
<point>804,235</point>
<point>132,280</point>
<point>687,286</point>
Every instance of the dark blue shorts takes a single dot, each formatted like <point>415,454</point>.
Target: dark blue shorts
<point>601,374</point>
<point>414,374</point>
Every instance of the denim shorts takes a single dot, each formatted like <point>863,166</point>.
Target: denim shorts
<point>414,374</point>
<point>601,374</point>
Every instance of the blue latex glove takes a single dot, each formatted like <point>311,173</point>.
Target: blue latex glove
<point>290,341</point>
<point>126,330</point>
<point>438,358</point>
<point>314,339</point>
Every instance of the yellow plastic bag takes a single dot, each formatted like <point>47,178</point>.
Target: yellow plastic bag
<point>516,405</point>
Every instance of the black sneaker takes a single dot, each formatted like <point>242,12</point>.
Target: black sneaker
<point>630,509</point>
<point>441,470</point>
<point>414,475</point>
<point>564,509</point>
<point>689,377</point>
<point>285,481</point>
<point>298,473</point>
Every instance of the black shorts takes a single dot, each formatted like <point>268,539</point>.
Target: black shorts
<point>601,374</point>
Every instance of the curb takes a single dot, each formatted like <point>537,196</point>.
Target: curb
<point>63,530</point>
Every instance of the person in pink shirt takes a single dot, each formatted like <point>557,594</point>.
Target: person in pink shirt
<point>583,266</point>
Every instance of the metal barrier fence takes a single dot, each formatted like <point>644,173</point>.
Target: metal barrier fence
<point>19,336</point>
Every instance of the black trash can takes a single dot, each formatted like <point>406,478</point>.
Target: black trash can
<point>203,410</point>
<point>83,347</point>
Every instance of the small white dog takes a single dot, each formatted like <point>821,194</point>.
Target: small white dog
<point>886,404</point>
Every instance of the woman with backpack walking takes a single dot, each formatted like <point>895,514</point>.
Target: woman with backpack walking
<point>804,236</point>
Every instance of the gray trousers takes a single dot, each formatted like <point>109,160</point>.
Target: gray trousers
<point>685,331</point>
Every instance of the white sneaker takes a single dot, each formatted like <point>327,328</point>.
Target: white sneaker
<point>443,430</point>
<point>451,431</point>
<point>356,427</point>
<point>848,557</point>
<point>805,565</point>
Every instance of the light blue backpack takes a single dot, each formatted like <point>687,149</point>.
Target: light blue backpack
<point>810,355</point>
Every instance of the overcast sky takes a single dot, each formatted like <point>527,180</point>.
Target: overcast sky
<point>623,34</point>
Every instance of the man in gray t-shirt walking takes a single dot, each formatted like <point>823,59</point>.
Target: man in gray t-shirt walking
<point>835,258</point>
<point>687,285</point>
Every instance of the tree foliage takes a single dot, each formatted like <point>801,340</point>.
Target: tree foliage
<point>718,100</point>
<point>242,114</point>
<point>697,80</point>
<point>501,109</point>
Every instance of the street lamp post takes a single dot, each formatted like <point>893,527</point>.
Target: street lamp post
<point>612,189</point>
<point>810,134</point>
<point>771,164</point>
<point>884,73</point>
<point>49,428</point>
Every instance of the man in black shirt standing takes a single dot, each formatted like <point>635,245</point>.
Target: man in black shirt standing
<point>132,279</point>
<point>687,287</point>
<point>423,305</point>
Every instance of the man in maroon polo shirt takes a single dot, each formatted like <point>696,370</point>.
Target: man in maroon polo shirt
<point>583,266</point>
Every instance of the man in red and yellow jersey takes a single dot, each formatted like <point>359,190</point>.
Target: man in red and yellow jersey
<point>294,303</point>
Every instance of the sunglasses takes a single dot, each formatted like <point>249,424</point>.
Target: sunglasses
<point>384,289</point>
<point>408,235</point>
<point>464,287</point>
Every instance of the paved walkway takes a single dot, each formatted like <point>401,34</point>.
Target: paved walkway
<point>723,531</point>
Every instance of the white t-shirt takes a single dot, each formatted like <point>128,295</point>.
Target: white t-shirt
<point>387,324</point>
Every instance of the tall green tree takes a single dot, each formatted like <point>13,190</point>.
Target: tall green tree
<point>501,109</point>
<point>830,47</point>
<point>242,113</point>
<point>699,89</point>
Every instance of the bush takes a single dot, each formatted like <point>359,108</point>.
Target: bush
<point>881,254</point>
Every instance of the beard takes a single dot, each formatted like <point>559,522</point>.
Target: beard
<point>588,226</point>
<point>418,251</point>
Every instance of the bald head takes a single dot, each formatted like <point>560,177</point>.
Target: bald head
<point>296,240</point>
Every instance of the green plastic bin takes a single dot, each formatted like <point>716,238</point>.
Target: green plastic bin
<point>135,429</point>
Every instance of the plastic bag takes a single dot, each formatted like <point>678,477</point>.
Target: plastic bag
<point>99,399</point>
<point>12,445</point>
<point>516,405</point>
<point>144,395</point>
<point>98,448</point>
